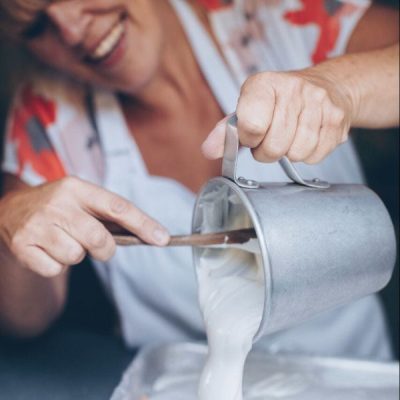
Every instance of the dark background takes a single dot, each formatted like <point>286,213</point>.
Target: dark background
<point>81,357</point>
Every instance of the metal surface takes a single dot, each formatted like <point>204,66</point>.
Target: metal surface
<point>320,248</point>
<point>171,373</point>
<point>229,164</point>
<point>294,175</point>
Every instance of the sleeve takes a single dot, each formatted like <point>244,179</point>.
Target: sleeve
<point>334,21</point>
<point>349,16</point>
<point>28,152</point>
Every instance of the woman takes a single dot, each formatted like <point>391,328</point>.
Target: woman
<point>116,134</point>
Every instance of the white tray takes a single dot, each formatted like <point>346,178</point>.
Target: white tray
<point>171,373</point>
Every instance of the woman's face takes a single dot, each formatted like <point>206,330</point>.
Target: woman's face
<point>114,43</point>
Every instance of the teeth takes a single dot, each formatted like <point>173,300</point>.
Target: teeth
<point>109,42</point>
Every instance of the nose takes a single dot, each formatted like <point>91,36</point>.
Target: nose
<point>70,20</point>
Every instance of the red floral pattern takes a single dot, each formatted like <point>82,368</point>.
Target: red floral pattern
<point>315,12</point>
<point>213,5</point>
<point>29,120</point>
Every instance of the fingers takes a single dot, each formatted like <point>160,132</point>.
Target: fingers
<point>298,114</point>
<point>47,249</point>
<point>282,131</point>
<point>38,261</point>
<point>331,133</point>
<point>213,146</point>
<point>52,226</point>
<point>307,133</point>
<point>90,234</point>
<point>284,114</point>
<point>60,246</point>
<point>255,111</point>
<point>111,207</point>
<point>24,245</point>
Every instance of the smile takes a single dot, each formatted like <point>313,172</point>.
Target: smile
<point>108,44</point>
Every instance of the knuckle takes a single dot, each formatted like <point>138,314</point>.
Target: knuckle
<point>256,81</point>
<point>268,153</point>
<point>69,183</point>
<point>98,238</point>
<point>296,154</point>
<point>62,187</point>
<point>118,206</point>
<point>75,254</point>
<point>319,94</point>
<point>108,251</point>
<point>46,211</point>
<point>273,150</point>
<point>253,128</point>
<point>337,115</point>
<point>295,84</point>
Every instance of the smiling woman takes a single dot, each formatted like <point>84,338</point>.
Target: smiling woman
<point>87,39</point>
<point>112,131</point>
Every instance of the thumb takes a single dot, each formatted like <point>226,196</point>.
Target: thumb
<point>213,146</point>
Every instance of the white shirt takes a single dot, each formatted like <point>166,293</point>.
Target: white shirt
<point>154,290</point>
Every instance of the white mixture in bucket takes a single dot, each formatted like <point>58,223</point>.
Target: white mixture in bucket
<point>231,291</point>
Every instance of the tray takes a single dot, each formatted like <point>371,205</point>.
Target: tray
<point>171,372</point>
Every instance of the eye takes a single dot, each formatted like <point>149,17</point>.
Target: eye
<point>37,27</point>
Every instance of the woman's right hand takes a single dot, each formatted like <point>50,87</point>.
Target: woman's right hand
<point>52,226</point>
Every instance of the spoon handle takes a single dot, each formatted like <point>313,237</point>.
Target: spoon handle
<point>207,239</point>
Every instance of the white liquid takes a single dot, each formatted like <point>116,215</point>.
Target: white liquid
<point>231,292</point>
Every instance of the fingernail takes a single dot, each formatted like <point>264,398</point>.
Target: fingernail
<point>161,236</point>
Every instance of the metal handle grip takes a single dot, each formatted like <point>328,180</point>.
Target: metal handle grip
<point>229,163</point>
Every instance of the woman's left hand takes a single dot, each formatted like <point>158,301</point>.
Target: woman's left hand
<point>301,114</point>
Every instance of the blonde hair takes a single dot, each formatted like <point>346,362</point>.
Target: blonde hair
<point>17,15</point>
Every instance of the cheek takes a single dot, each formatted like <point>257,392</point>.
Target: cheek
<point>53,53</point>
<point>142,58</point>
<point>145,33</point>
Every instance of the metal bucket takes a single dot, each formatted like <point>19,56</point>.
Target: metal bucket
<point>321,245</point>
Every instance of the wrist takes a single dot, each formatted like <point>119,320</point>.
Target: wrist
<point>341,85</point>
<point>352,95</point>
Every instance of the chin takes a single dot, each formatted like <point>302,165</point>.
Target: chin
<point>131,82</point>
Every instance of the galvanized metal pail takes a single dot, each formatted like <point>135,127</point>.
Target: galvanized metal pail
<point>321,245</point>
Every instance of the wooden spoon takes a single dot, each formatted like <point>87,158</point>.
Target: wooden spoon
<point>235,237</point>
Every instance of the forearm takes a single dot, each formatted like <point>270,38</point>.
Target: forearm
<point>370,80</point>
<point>28,302</point>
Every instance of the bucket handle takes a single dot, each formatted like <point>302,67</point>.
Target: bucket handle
<point>229,164</point>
